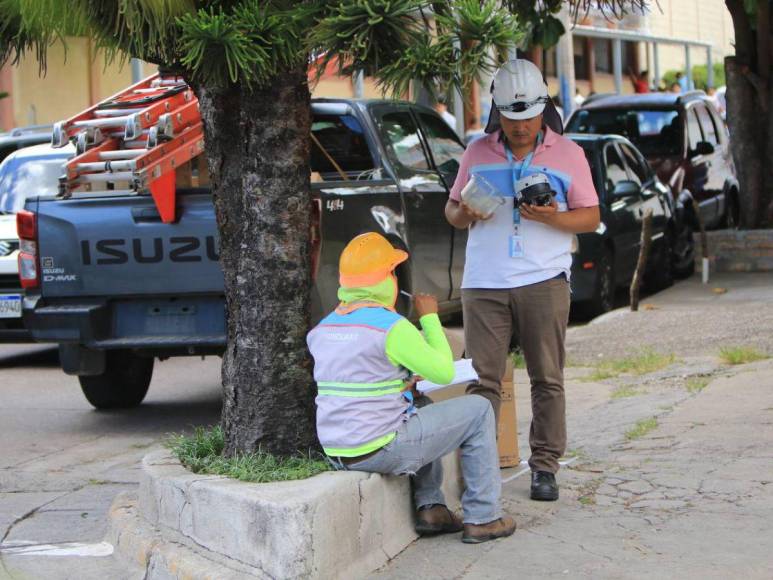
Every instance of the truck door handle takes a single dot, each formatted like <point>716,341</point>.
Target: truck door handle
<point>145,214</point>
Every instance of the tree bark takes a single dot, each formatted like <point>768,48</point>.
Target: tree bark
<point>749,141</point>
<point>258,156</point>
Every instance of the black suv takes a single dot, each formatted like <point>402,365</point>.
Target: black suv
<point>684,140</point>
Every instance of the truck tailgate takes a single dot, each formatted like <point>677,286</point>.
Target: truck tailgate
<point>118,246</point>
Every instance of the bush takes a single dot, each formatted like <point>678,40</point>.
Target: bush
<point>699,76</point>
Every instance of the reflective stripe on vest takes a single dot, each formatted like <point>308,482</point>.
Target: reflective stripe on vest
<point>359,398</point>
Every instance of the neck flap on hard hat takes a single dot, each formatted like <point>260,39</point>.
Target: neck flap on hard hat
<point>384,293</point>
<point>550,118</point>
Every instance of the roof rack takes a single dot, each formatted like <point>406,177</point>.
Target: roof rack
<point>137,138</point>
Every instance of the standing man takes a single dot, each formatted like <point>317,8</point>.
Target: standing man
<point>518,261</point>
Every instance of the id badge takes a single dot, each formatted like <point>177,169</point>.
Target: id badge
<point>516,246</point>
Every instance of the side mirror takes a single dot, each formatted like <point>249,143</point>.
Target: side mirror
<point>702,148</point>
<point>626,188</point>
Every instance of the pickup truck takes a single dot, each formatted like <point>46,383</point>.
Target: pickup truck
<point>116,288</point>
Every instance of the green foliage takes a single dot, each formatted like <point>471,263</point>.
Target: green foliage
<point>700,76</point>
<point>203,453</point>
<point>641,428</point>
<point>366,34</point>
<point>738,355</point>
<point>217,42</point>
<point>696,384</point>
<point>519,361</point>
<point>624,392</point>
<point>643,362</point>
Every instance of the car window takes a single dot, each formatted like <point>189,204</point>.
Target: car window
<point>28,177</point>
<point>719,124</point>
<point>615,168</point>
<point>342,138</point>
<point>707,124</point>
<point>694,135</point>
<point>443,143</point>
<point>401,138</point>
<point>656,132</point>
<point>640,171</point>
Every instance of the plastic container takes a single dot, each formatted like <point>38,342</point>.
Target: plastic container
<point>481,195</point>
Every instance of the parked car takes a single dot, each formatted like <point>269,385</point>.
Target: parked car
<point>684,139</point>
<point>117,287</point>
<point>22,137</point>
<point>31,171</point>
<point>606,259</point>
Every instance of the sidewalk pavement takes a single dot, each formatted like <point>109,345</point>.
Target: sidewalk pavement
<point>690,498</point>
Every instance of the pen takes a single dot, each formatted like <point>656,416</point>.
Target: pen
<point>404,293</point>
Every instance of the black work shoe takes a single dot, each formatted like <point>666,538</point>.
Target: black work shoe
<point>543,486</point>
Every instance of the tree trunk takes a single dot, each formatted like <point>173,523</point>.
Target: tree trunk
<point>751,144</point>
<point>258,154</point>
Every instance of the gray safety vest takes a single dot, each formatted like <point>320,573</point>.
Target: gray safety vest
<point>359,400</point>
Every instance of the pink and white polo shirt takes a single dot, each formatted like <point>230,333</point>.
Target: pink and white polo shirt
<point>546,250</point>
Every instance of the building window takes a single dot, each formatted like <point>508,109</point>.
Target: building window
<point>602,52</point>
<point>550,62</point>
<point>580,58</point>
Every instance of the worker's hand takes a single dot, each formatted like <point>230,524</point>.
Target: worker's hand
<point>425,304</point>
<point>410,385</point>
<point>475,215</point>
<point>540,213</point>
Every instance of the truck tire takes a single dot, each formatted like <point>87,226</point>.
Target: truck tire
<point>124,383</point>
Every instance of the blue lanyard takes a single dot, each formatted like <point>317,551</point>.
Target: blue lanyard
<point>518,172</point>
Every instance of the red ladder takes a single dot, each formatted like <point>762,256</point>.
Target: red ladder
<point>139,136</point>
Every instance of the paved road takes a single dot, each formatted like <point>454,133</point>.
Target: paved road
<point>62,463</point>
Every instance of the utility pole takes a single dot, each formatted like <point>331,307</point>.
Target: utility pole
<point>565,56</point>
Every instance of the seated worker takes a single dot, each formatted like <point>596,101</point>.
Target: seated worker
<point>363,355</point>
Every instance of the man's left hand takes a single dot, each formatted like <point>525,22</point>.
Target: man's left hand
<point>545,214</point>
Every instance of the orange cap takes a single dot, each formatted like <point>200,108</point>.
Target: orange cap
<point>367,260</point>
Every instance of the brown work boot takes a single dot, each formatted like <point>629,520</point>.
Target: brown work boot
<point>437,519</point>
<point>479,533</point>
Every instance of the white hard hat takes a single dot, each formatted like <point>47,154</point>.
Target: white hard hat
<point>518,90</point>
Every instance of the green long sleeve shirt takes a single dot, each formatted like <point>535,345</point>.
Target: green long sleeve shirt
<point>427,355</point>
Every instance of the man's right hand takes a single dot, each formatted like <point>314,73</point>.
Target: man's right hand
<point>474,215</point>
<point>425,304</point>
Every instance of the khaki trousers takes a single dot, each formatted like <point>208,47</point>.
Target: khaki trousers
<point>537,315</point>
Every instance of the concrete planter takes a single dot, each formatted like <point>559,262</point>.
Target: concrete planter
<point>333,525</point>
<point>738,250</point>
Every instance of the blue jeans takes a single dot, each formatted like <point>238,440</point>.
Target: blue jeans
<point>434,431</point>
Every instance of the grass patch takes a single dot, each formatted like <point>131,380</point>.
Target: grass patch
<point>202,453</point>
<point>624,392</point>
<point>641,428</point>
<point>645,361</point>
<point>519,361</point>
<point>696,384</point>
<point>738,355</point>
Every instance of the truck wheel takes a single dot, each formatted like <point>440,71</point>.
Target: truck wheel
<point>123,384</point>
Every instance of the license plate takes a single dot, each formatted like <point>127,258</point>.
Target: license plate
<point>10,306</point>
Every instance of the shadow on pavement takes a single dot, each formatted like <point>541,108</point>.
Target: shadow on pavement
<point>155,418</point>
<point>48,358</point>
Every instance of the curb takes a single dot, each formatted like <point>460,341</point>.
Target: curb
<point>334,525</point>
